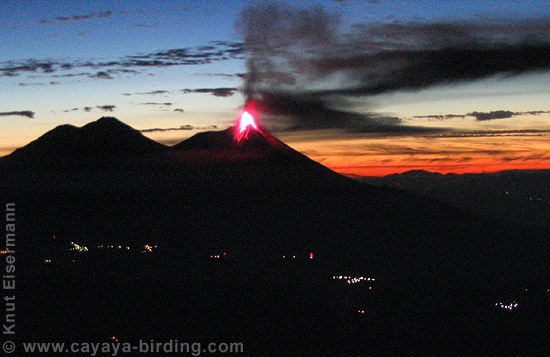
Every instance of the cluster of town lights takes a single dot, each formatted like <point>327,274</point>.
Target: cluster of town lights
<point>509,307</point>
<point>78,248</point>
<point>352,279</point>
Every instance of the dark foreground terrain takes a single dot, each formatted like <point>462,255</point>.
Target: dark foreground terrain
<point>274,307</point>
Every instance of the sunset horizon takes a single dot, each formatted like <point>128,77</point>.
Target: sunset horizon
<point>379,87</point>
<point>382,164</point>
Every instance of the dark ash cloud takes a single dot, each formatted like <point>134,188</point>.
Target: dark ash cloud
<point>24,113</point>
<point>419,69</point>
<point>217,92</point>
<point>303,55</point>
<point>301,112</point>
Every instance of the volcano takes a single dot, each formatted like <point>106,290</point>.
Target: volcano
<point>250,155</point>
<point>246,138</point>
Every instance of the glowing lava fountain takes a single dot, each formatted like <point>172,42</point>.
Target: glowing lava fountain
<point>245,123</point>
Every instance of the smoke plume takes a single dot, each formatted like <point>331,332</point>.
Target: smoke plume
<point>304,70</point>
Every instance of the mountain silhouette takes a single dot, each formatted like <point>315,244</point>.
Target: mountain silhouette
<point>259,159</point>
<point>68,146</point>
<point>520,196</point>
<point>257,140</point>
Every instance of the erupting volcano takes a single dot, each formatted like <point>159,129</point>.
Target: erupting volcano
<point>245,123</point>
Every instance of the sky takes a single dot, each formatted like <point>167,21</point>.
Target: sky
<point>366,87</point>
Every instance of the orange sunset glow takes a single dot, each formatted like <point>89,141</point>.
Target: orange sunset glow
<point>384,156</point>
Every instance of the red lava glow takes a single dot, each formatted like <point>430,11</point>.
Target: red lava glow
<point>246,123</point>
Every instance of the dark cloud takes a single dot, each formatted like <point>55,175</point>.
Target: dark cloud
<point>41,84</point>
<point>159,104</point>
<point>215,51</point>
<point>127,71</point>
<point>179,110</point>
<point>484,116</point>
<point>109,73</point>
<point>147,25</point>
<point>499,114</point>
<point>493,133</point>
<point>24,113</point>
<point>349,2</point>
<point>70,110</point>
<point>183,127</point>
<point>536,112</point>
<point>218,92</point>
<point>106,108</point>
<point>155,92</point>
<point>92,15</point>
<point>101,75</point>
<point>70,75</point>
<point>223,75</point>
<point>88,109</point>
<point>303,56</point>
<point>441,117</point>
<point>13,69</point>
